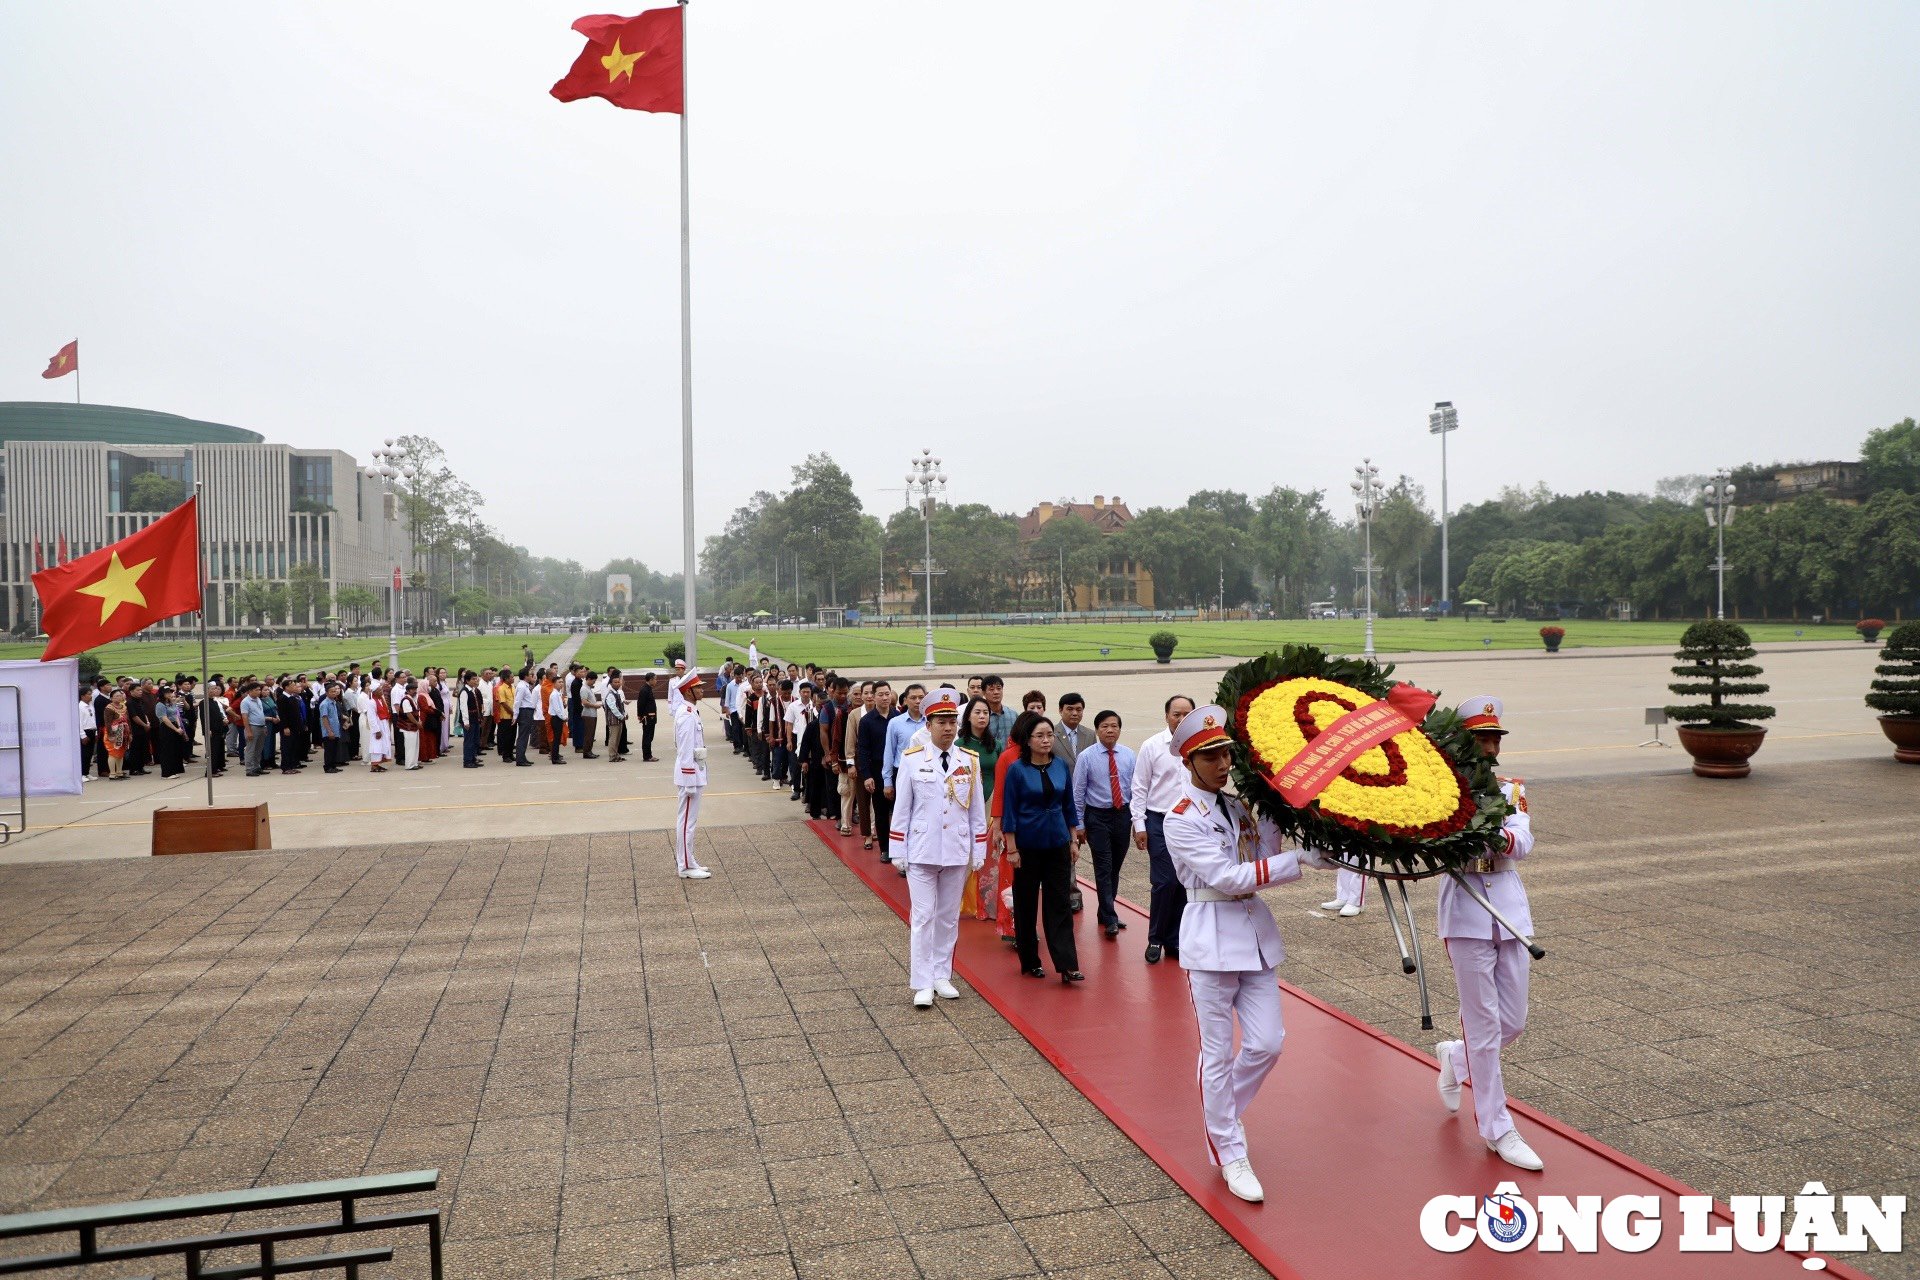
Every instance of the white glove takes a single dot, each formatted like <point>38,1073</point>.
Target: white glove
<point>1310,857</point>
<point>699,755</point>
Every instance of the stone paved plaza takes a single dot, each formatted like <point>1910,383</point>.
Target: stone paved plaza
<point>623,1074</point>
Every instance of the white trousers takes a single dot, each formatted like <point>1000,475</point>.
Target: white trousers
<point>410,738</point>
<point>1229,1080</point>
<point>934,920</point>
<point>1350,887</point>
<point>1492,978</point>
<point>685,828</point>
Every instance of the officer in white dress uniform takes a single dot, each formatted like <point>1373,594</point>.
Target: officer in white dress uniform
<point>940,820</point>
<point>689,769</point>
<point>1490,965</point>
<point>1349,893</point>
<point>1229,943</point>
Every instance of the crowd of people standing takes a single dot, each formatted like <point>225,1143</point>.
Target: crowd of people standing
<point>385,718</point>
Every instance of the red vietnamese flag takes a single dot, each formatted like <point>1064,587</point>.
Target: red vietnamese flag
<point>121,588</point>
<point>64,361</point>
<point>631,62</point>
<point>61,558</point>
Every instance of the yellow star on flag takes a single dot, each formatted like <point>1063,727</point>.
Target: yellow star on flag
<point>620,64</point>
<point>121,585</point>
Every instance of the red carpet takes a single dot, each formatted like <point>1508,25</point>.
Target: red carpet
<point>1347,1135</point>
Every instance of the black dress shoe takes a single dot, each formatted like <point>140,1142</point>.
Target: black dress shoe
<point>1072,976</point>
<point>1035,972</point>
<point>1154,952</point>
<point>1111,930</point>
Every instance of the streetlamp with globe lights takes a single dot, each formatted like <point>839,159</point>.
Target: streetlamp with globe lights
<point>388,474</point>
<point>1366,499</point>
<point>1718,493</point>
<point>1443,421</point>
<point>926,482</point>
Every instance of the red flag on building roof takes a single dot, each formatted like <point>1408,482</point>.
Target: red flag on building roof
<point>64,361</point>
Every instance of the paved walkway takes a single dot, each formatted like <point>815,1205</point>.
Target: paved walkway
<point>623,1074</point>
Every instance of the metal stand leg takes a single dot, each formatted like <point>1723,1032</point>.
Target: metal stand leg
<point>1407,964</point>
<point>1535,951</point>
<point>1420,968</point>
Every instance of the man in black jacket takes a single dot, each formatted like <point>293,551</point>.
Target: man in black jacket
<point>870,750</point>
<point>646,710</point>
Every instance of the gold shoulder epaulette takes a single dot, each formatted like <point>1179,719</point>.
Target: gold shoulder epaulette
<point>909,751</point>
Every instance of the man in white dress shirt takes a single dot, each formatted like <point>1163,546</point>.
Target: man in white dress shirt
<point>1490,965</point>
<point>689,770</point>
<point>1229,943</point>
<point>1158,776</point>
<point>940,826</point>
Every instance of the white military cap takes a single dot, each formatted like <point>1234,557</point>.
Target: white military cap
<point>1481,714</point>
<point>690,676</point>
<point>941,702</point>
<point>1200,729</point>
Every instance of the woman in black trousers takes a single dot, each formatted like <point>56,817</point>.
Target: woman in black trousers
<point>1037,823</point>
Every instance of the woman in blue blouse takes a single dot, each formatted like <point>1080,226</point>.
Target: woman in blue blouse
<point>1037,822</point>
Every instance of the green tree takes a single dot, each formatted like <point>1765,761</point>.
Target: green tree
<point>1892,457</point>
<point>823,522</point>
<point>261,601</point>
<point>1288,534</point>
<point>1403,534</point>
<point>472,604</point>
<point>151,491</point>
<point>307,592</point>
<point>1067,554</point>
<point>356,602</point>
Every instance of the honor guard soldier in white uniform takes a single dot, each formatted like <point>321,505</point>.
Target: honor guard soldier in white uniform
<point>689,769</point>
<point>1229,944</point>
<point>1349,893</point>
<point>940,820</point>
<point>1490,965</point>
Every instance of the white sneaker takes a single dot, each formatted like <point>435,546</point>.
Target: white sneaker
<point>1513,1148</point>
<point>697,873</point>
<point>946,990</point>
<point>1335,905</point>
<point>1351,909</point>
<point>1449,1082</point>
<point>923,998</point>
<point>1240,1181</point>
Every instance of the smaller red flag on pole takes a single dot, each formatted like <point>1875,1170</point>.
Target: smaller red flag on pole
<point>39,561</point>
<point>62,557</point>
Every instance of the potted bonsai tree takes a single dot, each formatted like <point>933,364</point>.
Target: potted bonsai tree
<point>1896,692</point>
<point>1551,636</point>
<point>1718,732</point>
<point>1870,629</point>
<point>1163,643</point>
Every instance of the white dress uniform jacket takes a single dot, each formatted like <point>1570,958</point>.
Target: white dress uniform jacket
<point>1460,915</point>
<point>1217,844</point>
<point>689,770</point>
<point>939,818</point>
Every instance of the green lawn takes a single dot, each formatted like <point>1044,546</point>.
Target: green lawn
<point>900,647</point>
<point>850,648</point>
<point>165,658</point>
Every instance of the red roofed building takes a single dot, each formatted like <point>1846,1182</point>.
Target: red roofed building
<point>1123,583</point>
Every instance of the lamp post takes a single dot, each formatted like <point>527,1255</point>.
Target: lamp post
<point>388,474</point>
<point>1718,493</point>
<point>927,482</point>
<point>1442,422</point>
<point>1366,497</point>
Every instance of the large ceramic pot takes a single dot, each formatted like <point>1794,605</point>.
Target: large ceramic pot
<point>1721,753</point>
<point>1904,733</point>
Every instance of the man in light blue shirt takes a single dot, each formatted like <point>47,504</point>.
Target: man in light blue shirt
<point>900,731</point>
<point>1102,790</point>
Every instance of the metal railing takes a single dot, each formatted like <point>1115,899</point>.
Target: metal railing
<point>89,1222</point>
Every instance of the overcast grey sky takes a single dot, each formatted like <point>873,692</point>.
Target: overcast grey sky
<point>1076,247</point>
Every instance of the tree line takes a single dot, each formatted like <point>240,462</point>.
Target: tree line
<point>1529,550</point>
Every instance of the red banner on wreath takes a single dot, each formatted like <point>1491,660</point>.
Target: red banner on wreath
<point>1338,745</point>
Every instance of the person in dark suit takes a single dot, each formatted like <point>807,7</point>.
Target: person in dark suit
<point>646,709</point>
<point>870,750</point>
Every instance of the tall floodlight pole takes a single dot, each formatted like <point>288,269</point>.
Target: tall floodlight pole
<point>1366,497</point>
<point>927,482</point>
<point>388,474</point>
<point>1442,422</point>
<point>1718,493</point>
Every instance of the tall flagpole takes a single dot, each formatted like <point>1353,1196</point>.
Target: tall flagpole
<point>200,557</point>
<point>686,364</point>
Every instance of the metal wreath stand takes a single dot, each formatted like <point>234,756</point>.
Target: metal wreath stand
<point>1407,939</point>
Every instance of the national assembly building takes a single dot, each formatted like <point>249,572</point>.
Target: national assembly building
<point>76,477</point>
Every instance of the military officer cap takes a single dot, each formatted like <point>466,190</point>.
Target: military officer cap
<point>942,702</point>
<point>1201,729</point>
<point>1481,714</point>
<point>690,676</point>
